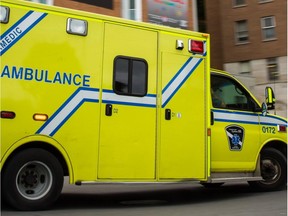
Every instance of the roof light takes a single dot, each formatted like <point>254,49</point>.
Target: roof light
<point>8,114</point>
<point>4,14</point>
<point>196,46</point>
<point>77,27</point>
<point>40,117</point>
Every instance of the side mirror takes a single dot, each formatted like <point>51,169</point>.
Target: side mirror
<point>270,98</point>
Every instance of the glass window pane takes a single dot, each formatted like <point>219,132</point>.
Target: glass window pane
<point>268,22</point>
<point>227,94</point>
<point>268,27</point>
<point>121,75</point>
<point>245,67</point>
<point>272,67</point>
<point>130,76</point>
<point>241,31</point>
<point>239,2</point>
<point>269,33</point>
<point>139,78</point>
<point>132,4</point>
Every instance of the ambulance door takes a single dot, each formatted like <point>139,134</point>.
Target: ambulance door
<point>128,109</point>
<point>183,117</point>
<point>235,126</point>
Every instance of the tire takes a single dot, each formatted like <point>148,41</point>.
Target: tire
<point>32,180</point>
<point>273,170</point>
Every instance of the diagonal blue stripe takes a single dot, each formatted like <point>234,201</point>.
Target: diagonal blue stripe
<point>71,113</point>
<point>21,34</point>
<point>177,74</point>
<point>183,81</point>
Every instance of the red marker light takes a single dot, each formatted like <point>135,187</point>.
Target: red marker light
<point>196,46</point>
<point>282,128</point>
<point>8,114</point>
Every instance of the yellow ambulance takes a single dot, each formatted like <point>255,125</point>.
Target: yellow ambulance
<point>106,100</point>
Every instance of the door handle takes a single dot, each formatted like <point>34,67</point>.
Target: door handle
<point>212,118</point>
<point>168,114</point>
<point>108,110</point>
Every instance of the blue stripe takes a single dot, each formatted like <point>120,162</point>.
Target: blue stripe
<point>284,122</point>
<point>270,124</point>
<point>236,121</point>
<point>16,24</point>
<point>235,112</point>
<point>122,102</point>
<point>111,91</point>
<point>275,117</point>
<point>246,122</point>
<point>177,74</point>
<point>179,86</point>
<point>23,33</point>
<point>128,103</point>
<point>71,113</point>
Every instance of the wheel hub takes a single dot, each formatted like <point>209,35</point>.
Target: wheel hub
<point>34,180</point>
<point>270,170</point>
<point>29,179</point>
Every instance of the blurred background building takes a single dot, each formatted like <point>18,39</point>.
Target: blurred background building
<point>248,37</point>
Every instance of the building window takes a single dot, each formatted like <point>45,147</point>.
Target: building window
<point>272,68</point>
<point>132,9</point>
<point>268,25</point>
<point>239,3</point>
<point>245,67</point>
<point>130,76</point>
<point>264,1</point>
<point>241,31</point>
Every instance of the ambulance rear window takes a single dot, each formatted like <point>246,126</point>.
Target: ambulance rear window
<point>130,76</point>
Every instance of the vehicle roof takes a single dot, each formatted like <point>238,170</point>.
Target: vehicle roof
<point>213,70</point>
<point>89,15</point>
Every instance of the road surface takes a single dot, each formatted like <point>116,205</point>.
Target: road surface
<point>163,200</point>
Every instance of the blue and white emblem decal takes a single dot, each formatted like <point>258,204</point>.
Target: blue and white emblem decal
<point>235,135</point>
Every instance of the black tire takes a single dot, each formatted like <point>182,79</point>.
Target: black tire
<point>273,170</point>
<point>32,180</point>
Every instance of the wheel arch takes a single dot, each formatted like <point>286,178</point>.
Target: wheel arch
<point>61,155</point>
<point>276,144</point>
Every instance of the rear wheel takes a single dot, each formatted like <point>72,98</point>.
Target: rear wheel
<point>273,170</point>
<point>32,180</point>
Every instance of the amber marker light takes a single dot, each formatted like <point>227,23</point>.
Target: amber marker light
<point>208,131</point>
<point>40,117</point>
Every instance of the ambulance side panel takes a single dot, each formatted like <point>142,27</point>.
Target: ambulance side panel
<point>57,74</point>
<point>127,148</point>
<point>183,152</point>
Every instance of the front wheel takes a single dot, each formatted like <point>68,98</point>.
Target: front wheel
<point>273,166</point>
<point>32,180</point>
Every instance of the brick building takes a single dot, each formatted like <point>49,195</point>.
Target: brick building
<point>174,13</point>
<point>249,39</point>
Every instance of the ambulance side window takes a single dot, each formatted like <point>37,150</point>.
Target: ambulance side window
<point>228,94</point>
<point>130,76</point>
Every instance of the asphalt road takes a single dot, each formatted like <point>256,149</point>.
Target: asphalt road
<point>167,200</point>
